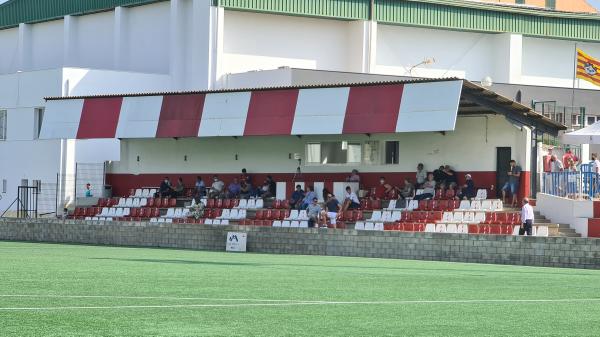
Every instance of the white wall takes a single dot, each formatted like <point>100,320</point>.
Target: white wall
<point>146,38</point>
<point>465,149</point>
<point>92,43</point>
<point>260,41</point>
<point>97,82</point>
<point>9,40</point>
<point>46,45</point>
<point>566,211</point>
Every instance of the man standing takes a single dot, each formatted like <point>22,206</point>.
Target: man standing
<point>421,175</point>
<point>526,218</point>
<point>514,177</point>
<point>332,207</point>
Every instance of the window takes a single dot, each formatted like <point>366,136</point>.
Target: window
<point>38,119</point>
<point>2,124</point>
<point>591,120</point>
<point>37,183</point>
<point>391,152</point>
<point>551,4</point>
<point>4,185</point>
<point>520,2</point>
<point>371,153</point>
<point>333,153</point>
<point>24,182</point>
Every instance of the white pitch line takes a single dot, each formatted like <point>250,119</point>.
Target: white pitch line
<point>154,298</point>
<point>240,305</point>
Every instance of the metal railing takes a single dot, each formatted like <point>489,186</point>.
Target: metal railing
<point>574,185</point>
<point>573,117</point>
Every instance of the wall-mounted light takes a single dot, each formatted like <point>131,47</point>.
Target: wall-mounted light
<point>138,158</point>
<point>236,156</point>
<point>185,158</point>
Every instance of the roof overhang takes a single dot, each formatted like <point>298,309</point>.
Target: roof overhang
<point>365,108</point>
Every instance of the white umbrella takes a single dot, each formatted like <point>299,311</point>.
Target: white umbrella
<point>587,135</point>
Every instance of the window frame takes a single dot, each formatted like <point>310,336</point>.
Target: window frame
<point>3,123</point>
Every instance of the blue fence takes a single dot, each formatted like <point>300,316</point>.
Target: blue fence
<point>574,185</point>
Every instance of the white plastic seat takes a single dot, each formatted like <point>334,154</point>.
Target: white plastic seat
<point>468,217</point>
<point>259,203</point>
<point>168,220</point>
<point>516,230</point>
<point>369,226</point>
<point>185,213</point>
<point>136,202</point>
<point>497,205</point>
<point>87,218</point>
<point>359,225</point>
<point>233,214</point>
<point>145,193</point>
<point>112,211</point>
<point>251,204</point>
<point>242,214</point>
<point>479,217</point>
<point>225,214</point>
<point>161,219</point>
<point>475,205</point>
<point>138,192</point>
<point>216,222</point>
<point>119,212</point>
<point>295,224</point>
<point>204,202</point>
<point>304,224</point>
<point>465,205</point>
<point>375,216</point>
<point>153,220</point>
<point>430,228</point>
<point>481,194</point>
<point>293,215</point>
<point>302,215</point>
<point>178,213</point>
<point>276,223</point>
<point>396,216</point>
<point>448,217</point>
<point>542,231</point>
<point>100,218</point>
<point>486,205</point>
<point>419,191</point>
<point>457,216</point>
<point>463,229</point>
<point>440,228</point>
<point>378,226</point>
<point>386,216</point>
<point>170,213</point>
<point>121,202</point>
<point>392,204</point>
<point>104,211</point>
<point>144,202</point>
<point>225,222</point>
<point>451,228</point>
<point>95,218</point>
<point>243,204</point>
<point>129,202</point>
<point>108,219</point>
<point>412,205</point>
<point>152,192</point>
<point>208,221</point>
<point>193,203</point>
<point>285,223</point>
<point>534,230</point>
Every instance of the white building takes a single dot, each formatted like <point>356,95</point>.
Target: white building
<point>157,46</point>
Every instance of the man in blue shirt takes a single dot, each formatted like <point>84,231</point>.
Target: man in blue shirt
<point>308,197</point>
<point>297,197</point>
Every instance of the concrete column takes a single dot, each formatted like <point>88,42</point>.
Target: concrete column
<point>206,45</point>
<point>177,45</point>
<point>69,48</point>
<point>120,38</point>
<point>508,62</point>
<point>362,46</point>
<point>24,48</point>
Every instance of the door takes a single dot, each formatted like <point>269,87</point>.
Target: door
<point>503,157</point>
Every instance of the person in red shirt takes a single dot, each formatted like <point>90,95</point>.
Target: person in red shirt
<point>569,156</point>
<point>383,189</point>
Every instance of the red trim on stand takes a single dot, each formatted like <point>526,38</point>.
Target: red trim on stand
<point>594,225</point>
<point>596,209</point>
<point>525,185</point>
<point>271,112</point>
<point>180,116</point>
<point>373,109</point>
<point>99,118</point>
<point>122,183</point>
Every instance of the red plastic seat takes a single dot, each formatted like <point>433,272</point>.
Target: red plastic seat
<point>473,229</point>
<point>155,213</point>
<point>490,218</point>
<point>495,229</point>
<point>234,203</point>
<point>419,227</point>
<point>441,205</point>
<point>358,215</point>
<point>365,204</point>
<point>453,204</point>
<point>501,218</point>
<point>341,225</point>
<point>347,216</point>
<point>219,203</point>
<point>423,205</point>
<point>210,203</point>
<point>172,202</point>
<point>284,213</point>
<point>449,194</point>
<point>435,216</point>
<point>226,203</point>
<point>388,227</point>
<point>131,192</point>
<point>134,212</point>
<point>150,202</point>
<point>101,202</point>
<point>375,204</point>
<point>507,229</point>
<point>216,212</point>
<point>439,194</point>
<point>260,214</point>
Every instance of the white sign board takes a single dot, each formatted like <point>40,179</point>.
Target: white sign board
<point>236,242</point>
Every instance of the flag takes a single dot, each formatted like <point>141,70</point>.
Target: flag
<point>588,68</point>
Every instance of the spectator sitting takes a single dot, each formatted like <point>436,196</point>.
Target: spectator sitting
<point>439,176</point>
<point>180,188</point>
<point>450,176</point>
<point>332,207</point>
<point>428,188</point>
<point>297,197</point>
<point>308,197</point>
<point>245,190</point>
<point>245,177</point>
<point>354,177</point>
<point>383,189</point>
<point>350,200</point>
<point>216,189</point>
<point>88,190</point>
<point>408,190</point>
<point>165,190</point>
<point>313,212</point>
<point>421,175</point>
<point>467,191</point>
<point>200,187</point>
<point>234,188</point>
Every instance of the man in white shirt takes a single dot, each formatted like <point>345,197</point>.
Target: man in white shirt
<point>350,200</point>
<point>526,218</point>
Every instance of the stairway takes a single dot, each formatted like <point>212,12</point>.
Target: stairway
<point>562,230</point>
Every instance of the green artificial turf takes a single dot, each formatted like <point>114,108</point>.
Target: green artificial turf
<point>162,292</point>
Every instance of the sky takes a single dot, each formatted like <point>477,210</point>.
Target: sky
<point>595,3</point>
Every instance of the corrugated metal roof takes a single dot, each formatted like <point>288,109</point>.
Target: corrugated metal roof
<point>492,97</point>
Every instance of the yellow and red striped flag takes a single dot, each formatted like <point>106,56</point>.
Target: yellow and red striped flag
<point>588,68</point>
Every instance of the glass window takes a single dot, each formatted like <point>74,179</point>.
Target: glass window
<point>371,153</point>
<point>4,185</point>
<point>391,152</point>
<point>551,4</point>
<point>591,120</point>
<point>2,124</point>
<point>313,153</point>
<point>38,119</point>
<point>574,119</point>
<point>333,153</point>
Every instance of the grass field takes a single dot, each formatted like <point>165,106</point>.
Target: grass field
<point>70,290</point>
